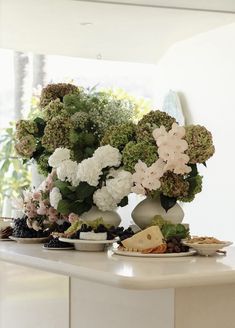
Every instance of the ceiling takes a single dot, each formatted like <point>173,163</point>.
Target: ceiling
<point>101,30</point>
<point>208,5</point>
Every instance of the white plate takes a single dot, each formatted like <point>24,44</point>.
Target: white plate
<point>207,249</point>
<point>88,245</point>
<point>58,248</point>
<point>138,254</point>
<point>29,240</point>
<point>5,239</point>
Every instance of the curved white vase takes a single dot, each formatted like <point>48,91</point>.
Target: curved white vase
<point>144,212</point>
<point>37,178</point>
<point>109,217</point>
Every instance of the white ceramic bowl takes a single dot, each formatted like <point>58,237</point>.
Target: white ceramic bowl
<point>207,249</point>
<point>88,245</point>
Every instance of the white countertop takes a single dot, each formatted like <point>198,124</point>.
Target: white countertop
<point>125,272</point>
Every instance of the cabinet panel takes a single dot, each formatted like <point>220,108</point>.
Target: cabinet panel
<point>102,306</point>
<point>32,298</point>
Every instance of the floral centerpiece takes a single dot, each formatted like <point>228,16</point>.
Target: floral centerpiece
<point>162,156</point>
<point>69,117</point>
<point>96,155</point>
<point>74,188</point>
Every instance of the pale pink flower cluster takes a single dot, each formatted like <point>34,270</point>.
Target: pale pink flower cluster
<point>147,178</point>
<point>171,148</point>
<point>37,202</point>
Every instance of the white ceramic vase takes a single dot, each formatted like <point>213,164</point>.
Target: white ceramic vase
<point>144,212</point>
<point>37,178</point>
<point>109,217</point>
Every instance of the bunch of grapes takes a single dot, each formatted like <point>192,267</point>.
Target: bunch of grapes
<point>54,242</point>
<point>60,227</point>
<point>174,245</point>
<point>21,230</point>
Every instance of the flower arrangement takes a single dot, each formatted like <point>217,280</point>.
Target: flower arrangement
<point>98,180</point>
<point>38,206</point>
<point>162,156</point>
<point>69,117</point>
<point>73,188</point>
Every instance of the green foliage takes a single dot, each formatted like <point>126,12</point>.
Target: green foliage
<point>174,230</point>
<point>14,174</point>
<point>75,118</point>
<point>159,221</point>
<point>75,199</point>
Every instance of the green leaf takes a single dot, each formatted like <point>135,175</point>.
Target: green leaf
<point>123,202</point>
<point>80,207</point>
<point>204,163</point>
<point>40,125</point>
<point>170,230</point>
<point>62,185</point>
<point>194,171</point>
<point>64,207</point>
<point>84,190</point>
<point>167,202</point>
<point>5,166</point>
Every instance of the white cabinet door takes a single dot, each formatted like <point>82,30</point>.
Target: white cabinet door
<point>101,306</point>
<point>32,298</point>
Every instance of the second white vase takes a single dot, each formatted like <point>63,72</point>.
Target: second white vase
<point>109,217</point>
<point>145,211</point>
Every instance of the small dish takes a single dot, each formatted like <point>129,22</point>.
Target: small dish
<point>58,248</point>
<point>5,239</point>
<point>29,240</point>
<point>88,245</point>
<point>207,249</point>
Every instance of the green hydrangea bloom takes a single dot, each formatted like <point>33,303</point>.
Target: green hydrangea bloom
<point>80,120</point>
<point>174,185</point>
<point>195,186</point>
<point>56,133</point>
<point>151,121</point>
<point>118,136</point>
<point>135,151</point>
<point>54,91</point>
<point>53,109</point>
<point>26,146</point>
<point>200,144</point>
<point>24,128</point>
<point>76,102</point>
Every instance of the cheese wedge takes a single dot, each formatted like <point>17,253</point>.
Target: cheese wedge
<point>148,238</point>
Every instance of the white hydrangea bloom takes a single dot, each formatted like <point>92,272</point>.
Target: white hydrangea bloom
<point>67,171</point>
<point>89,171</point>
<point>54,197</point>
<point>107,156</point>
<point>104,200</point>
<point>120,186</point>
<point>59,155</point>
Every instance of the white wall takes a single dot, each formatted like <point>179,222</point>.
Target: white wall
<point>202,70</point>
